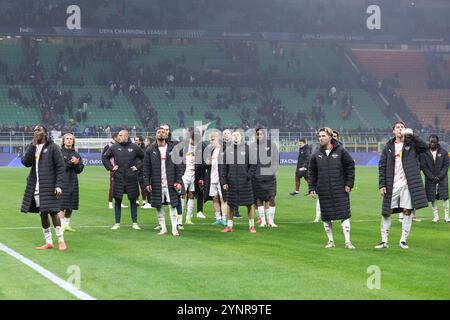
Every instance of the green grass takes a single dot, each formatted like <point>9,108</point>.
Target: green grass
<point>285,263</point>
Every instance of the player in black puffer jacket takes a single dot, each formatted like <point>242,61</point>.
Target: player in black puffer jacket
<point>331,177</point>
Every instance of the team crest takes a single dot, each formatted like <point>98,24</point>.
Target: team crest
<point>439,155</point>
<point>130,150</point>
<point>334,155</point>
<point>120,149</point>
<point>407,147</point>
<point>45,150</point>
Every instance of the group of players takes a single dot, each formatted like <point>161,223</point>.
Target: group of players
<point>232,173</point>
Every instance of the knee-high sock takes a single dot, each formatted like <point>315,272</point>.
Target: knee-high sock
<point>162,219</point>
<point>182,203</point>
<point>173,217</point>
<point>434,208</point>
<point>318,212</point>
<point>346,229</point>
<point>48,235</point>
<point>446,209</point>
<point>385,227</point>
<point>261,214</point>
<point>190,208</point>
<point>327,225</point>
<point>271,214</point>
<point>59,233</point>
<point>406,227</point>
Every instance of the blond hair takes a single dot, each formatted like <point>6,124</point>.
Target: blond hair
<point>64,137</point>
<point>327,130</point>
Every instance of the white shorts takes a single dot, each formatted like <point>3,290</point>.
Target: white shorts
<point>189,183</point>
<point>401,198</point>
<point>165,195</point>
<point>215,190</point>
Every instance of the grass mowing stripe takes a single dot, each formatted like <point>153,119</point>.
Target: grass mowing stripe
<point>47,274</point>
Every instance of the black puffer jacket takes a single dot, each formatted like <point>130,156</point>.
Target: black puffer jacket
<point>238,175</point>
<point>264,180</point>
<point>304,156</point>
<point>152,174</point>
<point>433,169</point>
<point>70,196</point>
<point>125,180</point>
<point>328,176</point>
<point>412,148</point>
<point>51,175</point>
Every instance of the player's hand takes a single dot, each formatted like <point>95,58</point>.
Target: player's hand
<point>177,186</point>
<point>58,192</point>
<point>383,191</point>
<point>133,168</point>
<point>115,168</point>
<point>225,187</point>
<point>313,194</point>
<point>201,182</point>
<point>407,132</point>
<point>348,189</point>
<point>75,160</point>
<point>149,188</point>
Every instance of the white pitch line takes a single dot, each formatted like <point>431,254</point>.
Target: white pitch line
<point>198,223</point>
<point>47,274</point>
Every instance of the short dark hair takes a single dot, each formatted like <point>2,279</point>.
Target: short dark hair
<point>302,140</point>
<point>115,135</point>
<point>397,122</point>
<point>433,136</point>
<point>337,133</point>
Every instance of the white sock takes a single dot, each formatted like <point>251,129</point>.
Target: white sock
<point>318,212</point>
<point>59,234</point>
<point>190,208</point>
<point>173,217</point>
<point>346,229</point>
<point>66,222</point>
<point>162,219</point>
<point>183,205</point>
<point>179,219</point>
<point>271,214</point>
<point>267,214</point>
<point>385,227</point>
<point>251,223</point>
<point>434,208</point>
<point>230,223</point>
<point>400,215</point>
<point>328,230</point>
<point>446,209</point>
<point>406,227</point>
<point>261,214</point>
<point>48,235</point>
<point>218,215</point>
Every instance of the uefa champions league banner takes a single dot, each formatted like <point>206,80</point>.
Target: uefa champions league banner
<point>286,159</point>
<point>212,35</point>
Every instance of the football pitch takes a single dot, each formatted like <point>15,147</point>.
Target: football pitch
<point>288,262</point>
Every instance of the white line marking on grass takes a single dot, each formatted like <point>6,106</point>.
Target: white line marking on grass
<point>47,274</point>
<point>197,223</point>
